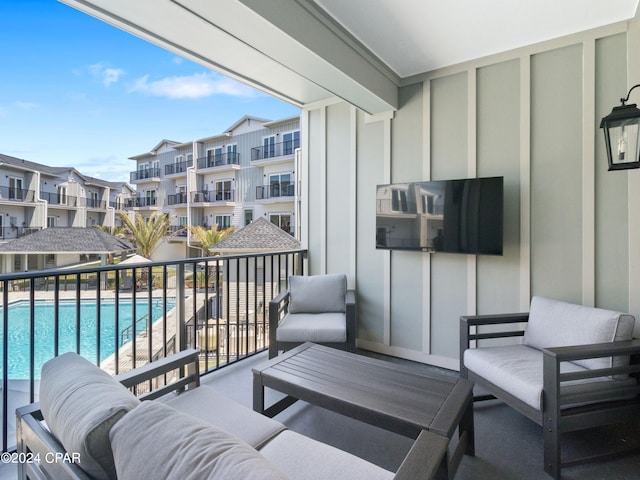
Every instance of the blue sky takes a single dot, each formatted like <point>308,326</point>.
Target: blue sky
<point>77,92</point>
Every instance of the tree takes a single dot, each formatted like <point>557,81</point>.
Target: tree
<point>209,237</point>
<point>116,231</point>
<point>146,234</point>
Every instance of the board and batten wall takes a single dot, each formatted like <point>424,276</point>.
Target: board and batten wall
<point>531,115</point>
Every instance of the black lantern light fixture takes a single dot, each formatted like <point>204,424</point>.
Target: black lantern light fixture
<point>621,128</point>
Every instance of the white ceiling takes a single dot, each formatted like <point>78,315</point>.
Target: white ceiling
<point>308,51</point>
<point>417,36</point>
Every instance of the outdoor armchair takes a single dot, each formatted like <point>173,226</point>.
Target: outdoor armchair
<point>317,309</point>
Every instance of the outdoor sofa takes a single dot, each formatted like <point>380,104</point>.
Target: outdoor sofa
<point>89,425</point>
<point>572,367</point>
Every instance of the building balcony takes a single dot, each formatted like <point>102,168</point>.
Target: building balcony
<point>177,169</point>
<point>146,175</point>
<point>213,196</point>
<point>95,204</point>
<point>276,192</point>
<point>56,200</point>
<point>12,195</point>
<point>274,153</point>
<point>13,232</point>
<point>119,205</point>
<point>220,162</point>
<point>144,202</point>
<point>177,199</point>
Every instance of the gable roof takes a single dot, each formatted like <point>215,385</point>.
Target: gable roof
<point>67,240</point>
<point>259,235</point>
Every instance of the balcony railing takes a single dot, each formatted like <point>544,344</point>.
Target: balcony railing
<point>10,233</point>
<point>146,312</point>
<point>177,199</point>
<point>219,160</point>
<point>17,194</point>
<point>144,174</point>
<point>274,150</point>
<point>140,202</point>
<point>179,167</point>
<point>212,196</point>
<point>95,203</point>
<point>118,205</point>
<point>178,230</point>
<point>55,199</point>
<point>275,190</point>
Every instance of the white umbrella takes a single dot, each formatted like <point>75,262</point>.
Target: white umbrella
<point>135,259</point>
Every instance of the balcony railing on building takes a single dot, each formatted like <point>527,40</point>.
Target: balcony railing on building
<point>274,150</point>
<point>95,203</point>
<point>118,204</point>
<point>275,190</point>
<point>124,316</point>
<point>178,167</point>
<point>146,174</point>
<point>57,199</point>
<point>219,160</point>
<point>17,194</point>
<point>178,230</point>
<point>210,196</point>
<point>141,202</point>
<point>13,232</point>
<point>177,199</point>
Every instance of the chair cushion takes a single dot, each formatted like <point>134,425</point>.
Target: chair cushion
<point>317,293</point>
<point>313,327</point>
<point>156,441</point>
<point>517,369</point>
<point>304,458</point>
<point>238,420</point>
<point>558,324</point>
<point>80,404</point>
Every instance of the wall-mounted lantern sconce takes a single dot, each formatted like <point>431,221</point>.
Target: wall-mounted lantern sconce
<point>621,138</point>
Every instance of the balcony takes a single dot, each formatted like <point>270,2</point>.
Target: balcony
<point>177,199</point>
<point>213,196</point>
<point>11,233</point>
<point>95,204</point>
<point>146,175</point>
<point>276,191</point>
<point>218,304</point>
<point>275,152</point>
<point>57,200</point>
<point>11,194</point>
<point>220,162</point>
<point>177,169</point>
<point>145,202</point>
<point>118,205</point>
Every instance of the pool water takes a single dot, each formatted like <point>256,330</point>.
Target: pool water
<point>20,335</point>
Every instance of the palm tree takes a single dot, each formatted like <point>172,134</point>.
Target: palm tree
<point>146,234</point>
<point>115,230</point>
<point>208,237</point>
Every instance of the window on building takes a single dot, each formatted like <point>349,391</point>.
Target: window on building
<point>218,158</point>
<point>269,147</point>
<point>93,199</point>
<point>62,195</point>
<point>399,201</point>
<point>150,196</point>
<point>283,220</point>
<point>290,141</point>
<point>280,185</point>
<point>15,188</point>
<point>248,216</point>
<point>232,154</point>
<point>51,222</point>
<point>223,221</point>
<point>223,190</point>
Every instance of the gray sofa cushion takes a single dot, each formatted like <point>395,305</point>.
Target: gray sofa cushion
<point>313,327</point>
<point>156,441</point>
<point>80,404</point>
<point>517,369</point>
<point>207,404</point>
<point>303,458</point>
<point>557,324</point>
<point>317,293</point>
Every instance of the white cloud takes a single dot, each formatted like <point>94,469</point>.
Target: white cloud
<point>106,74</point>
<point>195,86</point>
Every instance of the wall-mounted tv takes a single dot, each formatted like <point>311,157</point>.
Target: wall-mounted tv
<point>453,216</point>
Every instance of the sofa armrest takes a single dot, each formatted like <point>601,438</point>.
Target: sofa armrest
<point>277,307</point>
<point>424,458</point>
<point>351,317</point>
<point>469,321</point>
<point>187,362</point>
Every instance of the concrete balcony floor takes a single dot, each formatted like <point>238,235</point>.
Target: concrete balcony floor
<point>508,445</point>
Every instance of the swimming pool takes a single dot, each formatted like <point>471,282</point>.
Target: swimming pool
<point>20,335</point>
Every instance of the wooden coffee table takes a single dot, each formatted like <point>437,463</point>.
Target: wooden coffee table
<point>378,392</point>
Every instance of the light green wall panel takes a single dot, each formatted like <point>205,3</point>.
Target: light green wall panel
<point>339,188</point>
<point>556,174</point>
<point>498,151</point>
<point>369,261</point>
<point>612,221</point>
<point>449,152</point>
<point>406,267</point>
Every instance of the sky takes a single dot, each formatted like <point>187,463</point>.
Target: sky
<point>77,92</point>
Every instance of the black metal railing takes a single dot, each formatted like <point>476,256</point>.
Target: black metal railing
<point>118,204</point>
<point>219,160</point>
<point>95,203</point>
<point>212,196</point>
<point>140,202</point>
<point>10,233</point>
<point>177,199</point>
<point>178,230</point>
<point>179,167</point>
<point>124,316</point>
<point>145,174</point>
<point>58,199</point>
<point>275,190</point>
<point>275,150</point>
<point>17,194</point>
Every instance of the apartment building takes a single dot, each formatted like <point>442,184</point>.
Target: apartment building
<point>228,179</point>
<point>34,196</point>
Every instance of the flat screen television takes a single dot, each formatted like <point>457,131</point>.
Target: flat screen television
<point>453,216</point>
